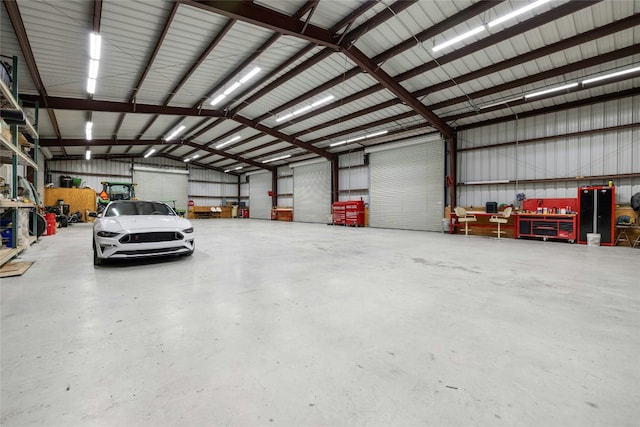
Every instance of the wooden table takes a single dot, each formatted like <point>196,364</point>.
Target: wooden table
<point>483,222</point>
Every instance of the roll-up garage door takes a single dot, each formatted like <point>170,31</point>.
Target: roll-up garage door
<point>162,184</point>
<point>312,192</point>
<point>407,185</point>
<point>259,199</point>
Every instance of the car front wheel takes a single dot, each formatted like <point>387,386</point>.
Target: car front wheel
<point>96,259</point>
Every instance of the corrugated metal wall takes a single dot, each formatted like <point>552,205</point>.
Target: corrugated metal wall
<point>212,188</point>
<point>90,172</point>
<point>206,187</point>
<point>285,186</point>
<point>353,177</point>
<point>597,154</point>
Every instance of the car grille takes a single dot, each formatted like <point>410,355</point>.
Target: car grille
<point>165,251</point>
<point>163,236</point>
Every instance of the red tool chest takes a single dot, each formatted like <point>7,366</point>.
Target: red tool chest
<point>350,213</point>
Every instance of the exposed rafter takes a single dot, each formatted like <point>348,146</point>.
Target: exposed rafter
<point>231,156</point>
<point>149,63</point>
<point>27,53</point>
<point>59,103</point>
<point>267,18</point>
<point>560,107</point>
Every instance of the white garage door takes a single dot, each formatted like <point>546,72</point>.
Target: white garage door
<point>162,185</point>
<point>407,185</point>
<point>312,192</point>
<point>259,199</point>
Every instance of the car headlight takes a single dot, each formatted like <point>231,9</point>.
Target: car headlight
<point>188,230</point>
<point>106,234</point>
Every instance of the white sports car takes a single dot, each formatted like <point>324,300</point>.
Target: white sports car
<point>136,229</point>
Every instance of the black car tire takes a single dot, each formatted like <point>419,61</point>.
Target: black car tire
<point>96,259</point>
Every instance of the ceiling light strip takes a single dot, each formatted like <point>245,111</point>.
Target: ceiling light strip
<point>95,43</point>
<point>174,133</point>
<point>610,76</point>
<point>306,108</point>
<point>236,85</point>
<point>517,12</point>
<point>458,38</point>
<point>286,156</point>
<point>491,24</point>
<point>359,138</point>
<point>235,138</point>
<point>553,89</point>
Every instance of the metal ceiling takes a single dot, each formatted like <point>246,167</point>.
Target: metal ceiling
<point>163,61</point>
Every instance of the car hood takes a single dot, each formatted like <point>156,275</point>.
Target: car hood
<point>142,222</point>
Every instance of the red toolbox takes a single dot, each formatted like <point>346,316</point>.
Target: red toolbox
<point>350,213</point>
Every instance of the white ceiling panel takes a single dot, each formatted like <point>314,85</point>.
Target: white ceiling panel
<point>58,33</point>
<point>129,30</point>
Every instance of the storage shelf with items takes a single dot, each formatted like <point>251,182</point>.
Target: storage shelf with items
<point>18,212</point>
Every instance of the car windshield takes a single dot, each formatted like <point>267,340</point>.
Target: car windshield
<point>138,208</point>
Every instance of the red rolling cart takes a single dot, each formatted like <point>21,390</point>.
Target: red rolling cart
<point>348,213</point>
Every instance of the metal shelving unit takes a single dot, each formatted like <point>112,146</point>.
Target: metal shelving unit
<point>10,149</point>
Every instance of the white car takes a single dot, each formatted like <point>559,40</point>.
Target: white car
<point>136,229</point>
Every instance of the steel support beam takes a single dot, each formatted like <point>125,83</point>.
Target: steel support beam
<point>267,18</point>
<point>27,53</point>
<point>58,103</point>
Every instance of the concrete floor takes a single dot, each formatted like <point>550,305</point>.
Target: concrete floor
<point>273,323</point>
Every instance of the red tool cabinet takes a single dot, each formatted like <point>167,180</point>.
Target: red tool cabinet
<point>348,213</point>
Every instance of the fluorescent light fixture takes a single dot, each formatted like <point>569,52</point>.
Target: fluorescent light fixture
<point>554,89</point>
<point>231,88</point>
<point>87,155</point>
<point>217,99</point>
<point>286,156</point>
<point>382,132</point>
<point>322,101</point>
<point>186,160</point>
<point>302,110</point>
<point>235,138</point>
<point>150,152</point>
<point>195,156</point>
<point>93,68</point>
<point>610,76</point>
<point>288,116</point>
<point>357,138</point>
<point>250,75</point>
<point>174,133</point>
<point>91,86</point>
<point>517,12</point>
<point>458,38</point>
<point>234,169</point>
<point>88,130</point>
<point>95,41</point>
<point>305,108</point>
<point>495,104</point>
